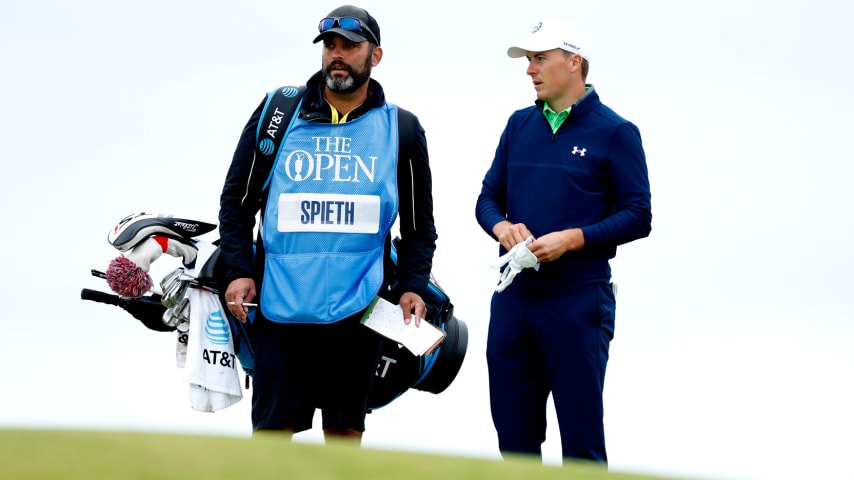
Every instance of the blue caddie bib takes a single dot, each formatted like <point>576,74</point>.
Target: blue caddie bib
<point>332,201</point>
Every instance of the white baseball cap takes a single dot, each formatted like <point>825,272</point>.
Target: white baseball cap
<point>551,33</point>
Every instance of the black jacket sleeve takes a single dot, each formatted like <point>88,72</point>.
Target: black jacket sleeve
<point>237,208</point>
<point>417,228</point>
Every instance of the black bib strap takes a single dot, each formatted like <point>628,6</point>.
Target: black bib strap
<point>272,128</point>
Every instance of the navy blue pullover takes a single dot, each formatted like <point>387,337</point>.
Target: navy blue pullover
<point>591,174</point>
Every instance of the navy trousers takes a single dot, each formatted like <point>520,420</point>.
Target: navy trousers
<point>554,344</point>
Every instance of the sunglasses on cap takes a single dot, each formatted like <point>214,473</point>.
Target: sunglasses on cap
<point>347,23</point>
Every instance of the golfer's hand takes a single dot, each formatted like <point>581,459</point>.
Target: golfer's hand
<point>509,234</point>
<point>551,246</point>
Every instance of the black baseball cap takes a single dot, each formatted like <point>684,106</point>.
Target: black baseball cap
<point>368,28</point>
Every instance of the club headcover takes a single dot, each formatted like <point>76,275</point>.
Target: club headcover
<point>128,279</point>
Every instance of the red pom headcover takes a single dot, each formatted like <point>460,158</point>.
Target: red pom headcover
<point>127,278</point>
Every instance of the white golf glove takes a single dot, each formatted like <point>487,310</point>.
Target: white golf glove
<point>516,259</point>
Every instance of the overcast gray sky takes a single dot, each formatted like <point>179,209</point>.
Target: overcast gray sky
<point>732,356</point>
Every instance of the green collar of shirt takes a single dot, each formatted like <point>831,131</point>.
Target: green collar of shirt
<point>556,119</point>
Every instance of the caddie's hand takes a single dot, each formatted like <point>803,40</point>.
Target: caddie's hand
<point>413,307</point>
<point>240,291</point>
<point>509,234</point>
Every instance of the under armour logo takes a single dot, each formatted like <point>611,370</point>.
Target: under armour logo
<point>577,151</point>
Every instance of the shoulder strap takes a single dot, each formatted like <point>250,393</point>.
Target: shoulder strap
<point>406,126</point>
<point>272,126</point>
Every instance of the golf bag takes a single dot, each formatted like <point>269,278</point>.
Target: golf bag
<point>398,369</point>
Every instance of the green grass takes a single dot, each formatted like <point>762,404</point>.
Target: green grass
<point>91,455</point>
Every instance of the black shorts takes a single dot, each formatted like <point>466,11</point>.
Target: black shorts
<point>302,367</point>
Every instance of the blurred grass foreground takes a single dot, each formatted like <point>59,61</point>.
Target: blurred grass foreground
<point>92,455</point>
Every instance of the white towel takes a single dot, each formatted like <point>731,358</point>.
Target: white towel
<point>183,331</point>
<point>211,368</point>
<point>209,361</point>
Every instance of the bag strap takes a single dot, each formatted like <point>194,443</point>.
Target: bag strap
<point>275,120</point>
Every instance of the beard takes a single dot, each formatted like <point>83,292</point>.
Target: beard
<point>351,82</point>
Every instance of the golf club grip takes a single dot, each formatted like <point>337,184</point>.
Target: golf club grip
<point>101,297</point>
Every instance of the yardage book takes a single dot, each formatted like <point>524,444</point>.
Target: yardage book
<point>386,319</point>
